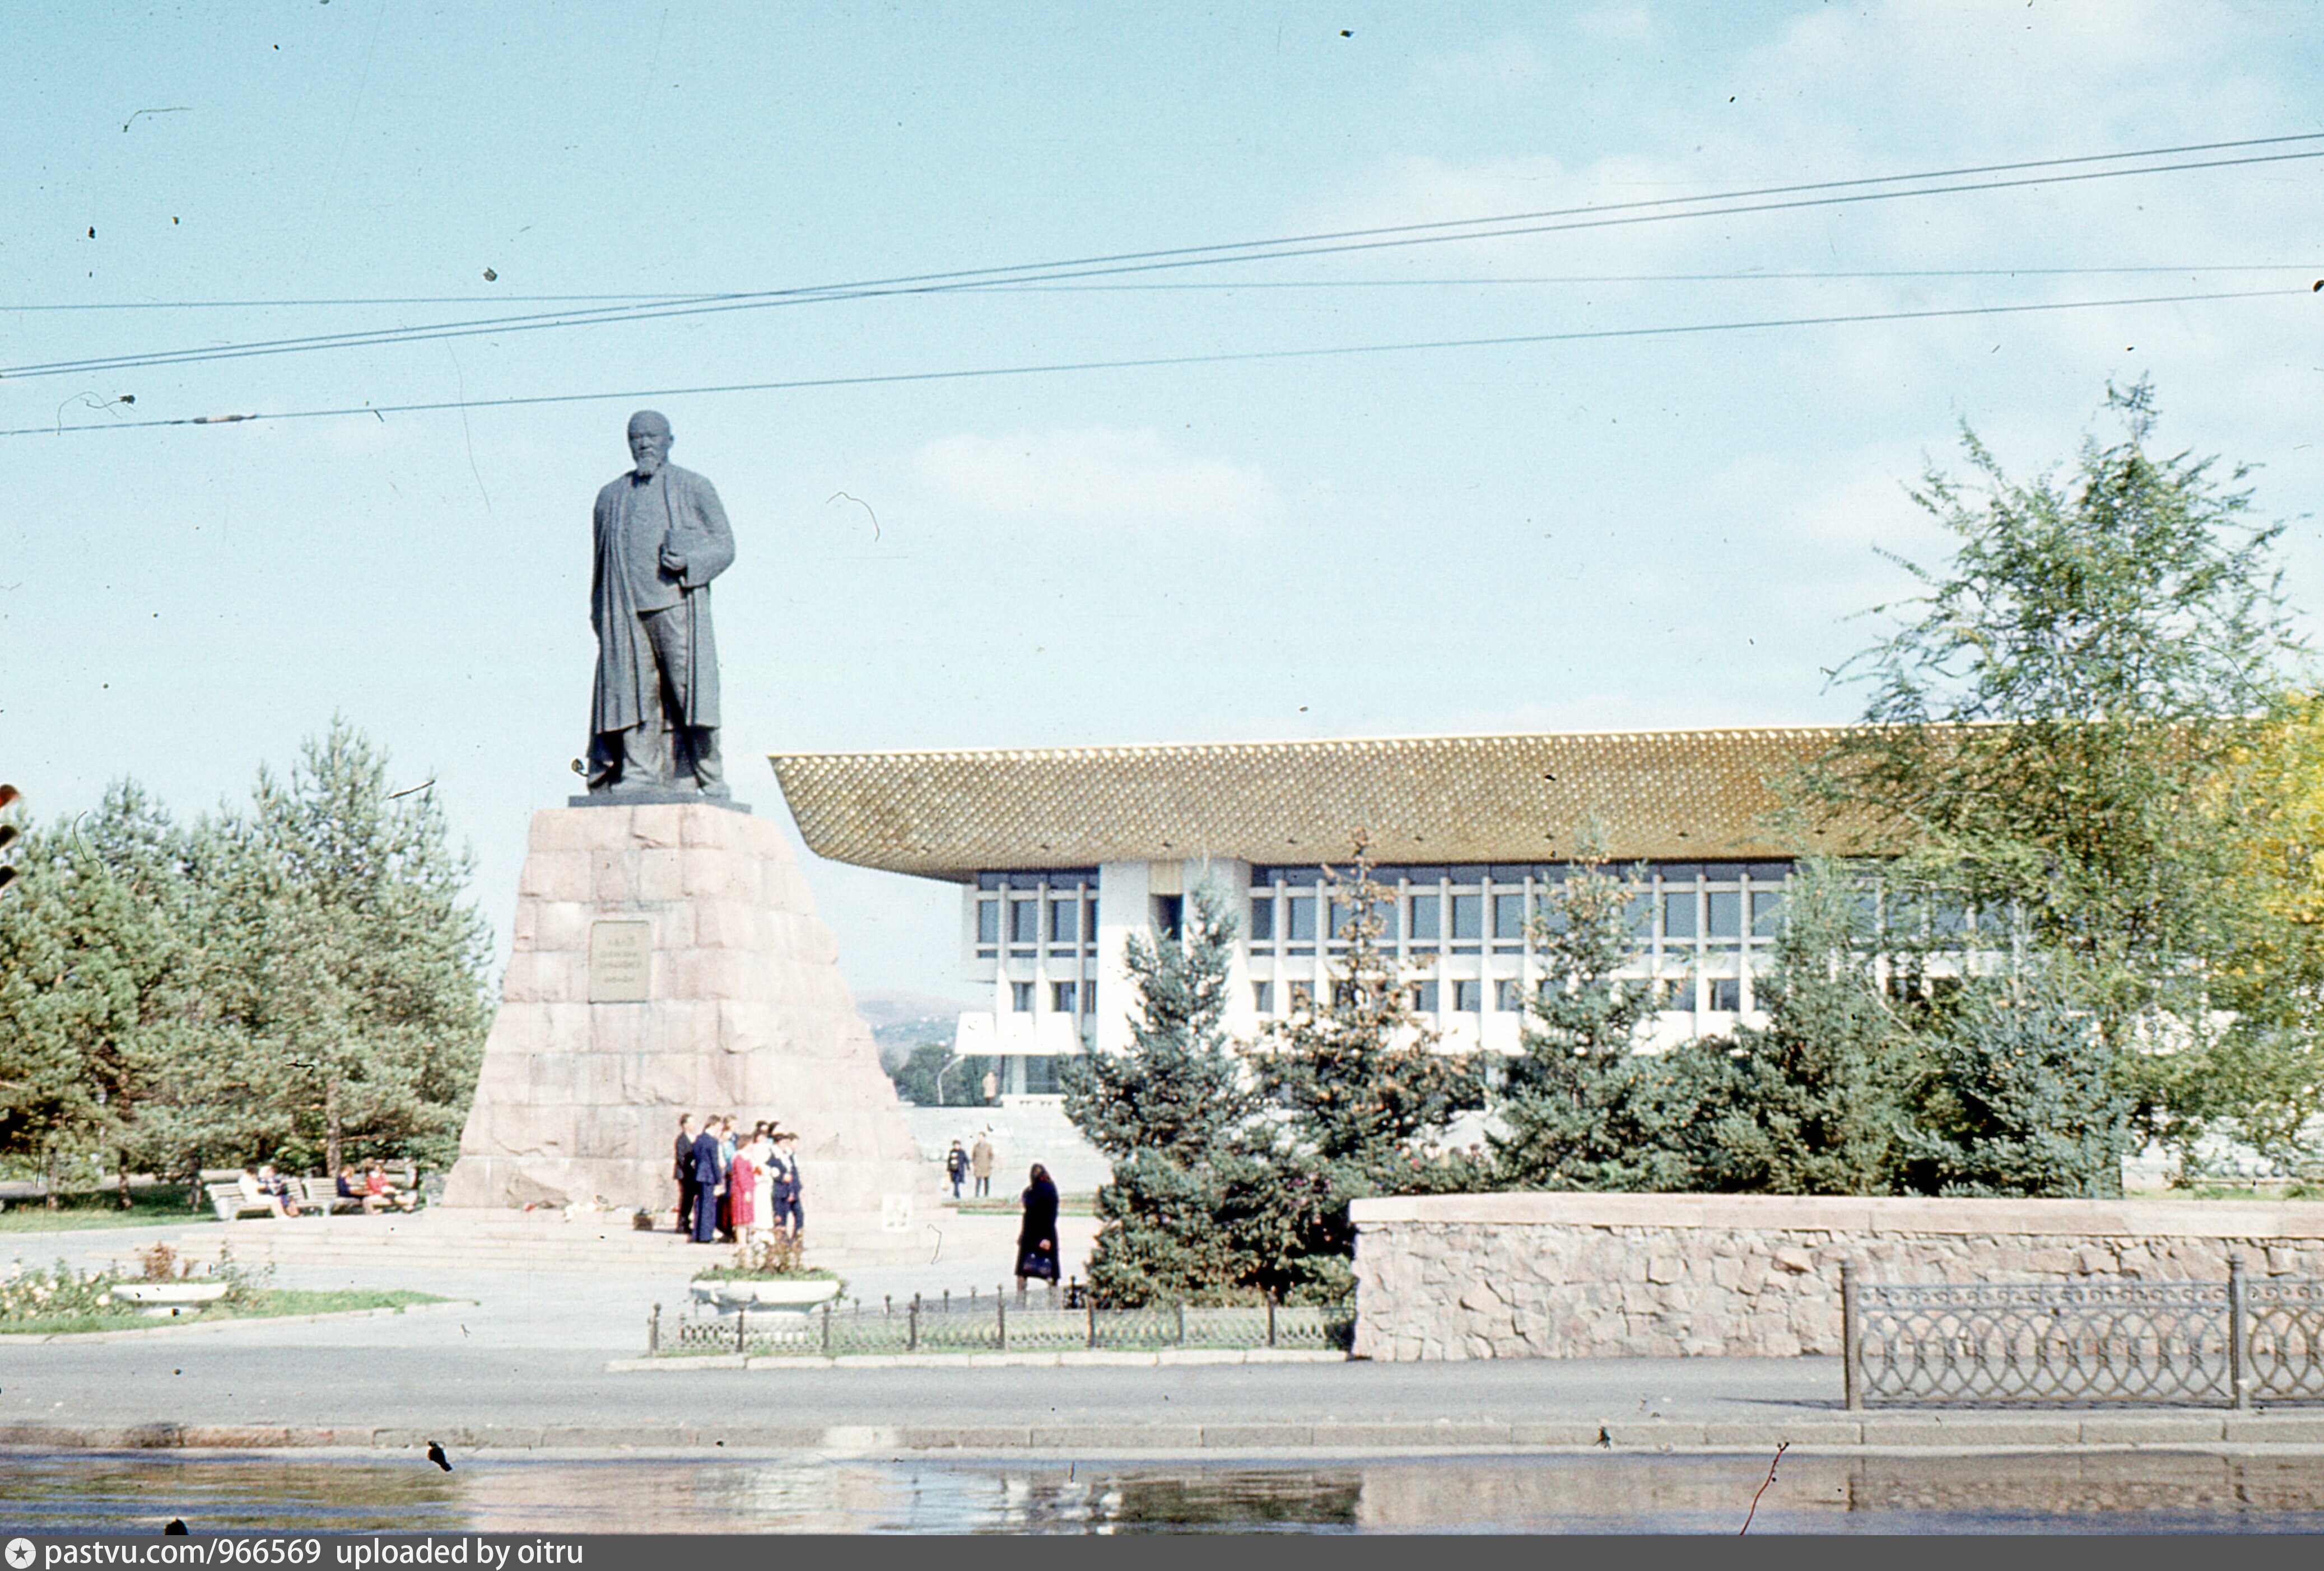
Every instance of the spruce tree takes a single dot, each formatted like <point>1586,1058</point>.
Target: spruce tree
<point>1810,1104</point>
<point>2016,1101</point>
<point>1169,1113</point>
<point>1581,1107</point>
<point>1359,1082</point>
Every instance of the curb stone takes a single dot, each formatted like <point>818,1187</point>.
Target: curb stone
<point>2291,1436</point>
<point>1101,1356</point>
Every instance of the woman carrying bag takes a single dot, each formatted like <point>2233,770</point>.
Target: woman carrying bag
<point>1037,1235</point>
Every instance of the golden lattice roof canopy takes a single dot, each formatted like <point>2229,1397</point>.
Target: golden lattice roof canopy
<point>1661,795</point>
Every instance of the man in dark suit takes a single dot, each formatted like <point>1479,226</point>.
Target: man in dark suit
<point>681,1168</point>
<point>709,1167</point>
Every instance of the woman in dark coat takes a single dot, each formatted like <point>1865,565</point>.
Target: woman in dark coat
<point>1037,1235</point>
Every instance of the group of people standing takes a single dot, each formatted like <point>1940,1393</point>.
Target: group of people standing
<point>732,1190</point>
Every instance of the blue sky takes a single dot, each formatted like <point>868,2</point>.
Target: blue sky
<point>1644,531</point>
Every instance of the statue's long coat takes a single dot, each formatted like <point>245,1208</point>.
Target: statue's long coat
<point>625,663</point>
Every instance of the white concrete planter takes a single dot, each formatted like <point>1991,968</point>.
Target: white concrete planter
<point>163,1299</point>
<point>767,1295</point>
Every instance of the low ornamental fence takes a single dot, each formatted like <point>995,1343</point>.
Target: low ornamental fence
<point>974,1324</point>
<point>2195,1343</point>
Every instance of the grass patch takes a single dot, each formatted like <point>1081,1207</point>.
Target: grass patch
<point>86,1208</point>
<point>261,1304</point>
<point>994,1206</point>
<point>2295,1189</point>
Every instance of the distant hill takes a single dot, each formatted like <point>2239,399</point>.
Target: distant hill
<point>901,1021</point>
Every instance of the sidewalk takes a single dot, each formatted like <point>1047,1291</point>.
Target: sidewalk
<point>523,1367</point>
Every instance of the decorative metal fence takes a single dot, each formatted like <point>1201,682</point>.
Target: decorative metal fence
<point>975,1324</point>
<point>2224,1344</point>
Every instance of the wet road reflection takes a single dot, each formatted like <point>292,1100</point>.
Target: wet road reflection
<point>2032,1492</point>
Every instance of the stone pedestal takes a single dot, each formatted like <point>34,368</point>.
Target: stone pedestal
<point>668,960</point>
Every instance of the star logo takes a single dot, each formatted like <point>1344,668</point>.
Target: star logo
<point>20,1554</point>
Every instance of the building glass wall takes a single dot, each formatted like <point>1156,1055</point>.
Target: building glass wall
<point>1037,931</point>
<point>1462,933</point>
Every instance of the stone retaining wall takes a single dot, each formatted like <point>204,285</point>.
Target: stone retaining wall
<point>1599,1276</point>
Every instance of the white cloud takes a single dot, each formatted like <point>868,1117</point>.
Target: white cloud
<point>1617,23</point>
<point>1508,62</point>
<point>1099,475</point>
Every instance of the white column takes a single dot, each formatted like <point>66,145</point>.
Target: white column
<point>1231,878</point>
<point>1122,895</point>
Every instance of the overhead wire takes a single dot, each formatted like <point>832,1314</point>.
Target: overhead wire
<point>1752,276</point>
<point>1154,361</point>
<point>469,299</point>
<point>1460,280</point>
<point>1341,241</point>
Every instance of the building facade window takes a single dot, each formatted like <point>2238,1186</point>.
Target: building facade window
<point>1678,914</point>
<point>1427,910</point>
<point>1766,912</point>
<point>1691,920</point>
<point>1704,929</point>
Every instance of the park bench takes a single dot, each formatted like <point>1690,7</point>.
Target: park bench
<point>322,1194</point>
<point>232,1202</point>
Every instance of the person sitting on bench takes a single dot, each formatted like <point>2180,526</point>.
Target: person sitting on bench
<point>270,1189</point>
<point>379,1194</point>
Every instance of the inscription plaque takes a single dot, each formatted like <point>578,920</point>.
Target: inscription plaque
<point>621,957</point>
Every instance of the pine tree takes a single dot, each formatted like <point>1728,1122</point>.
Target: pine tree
<point>360,995</point>
<point>279,983</point>
<point>1170,1114</point>
<point>85,1001</point>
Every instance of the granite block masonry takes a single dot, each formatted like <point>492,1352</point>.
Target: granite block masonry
<point>667,958</point>
<point>1660,1276</point>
